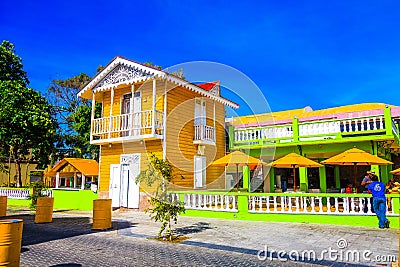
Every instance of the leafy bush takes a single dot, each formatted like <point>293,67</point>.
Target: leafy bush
<point>163,208</point>
<point>38,189</point>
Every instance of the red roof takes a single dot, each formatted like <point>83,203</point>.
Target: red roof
<point>207,86</point>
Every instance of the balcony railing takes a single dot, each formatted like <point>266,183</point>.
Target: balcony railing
<point>128,126</point>
<point>204,134</point>
<point>308,131</point>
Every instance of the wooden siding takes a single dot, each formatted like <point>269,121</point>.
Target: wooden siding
<point>179,134</point>
<point>112,155</point>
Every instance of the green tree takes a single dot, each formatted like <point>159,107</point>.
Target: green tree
<point>73,115</point>
<point>26,124</point>
<point>11,68</point>
<point>164,208</point>
<point>80,123</point>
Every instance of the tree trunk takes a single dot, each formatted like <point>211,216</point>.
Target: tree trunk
<point>18,173</point>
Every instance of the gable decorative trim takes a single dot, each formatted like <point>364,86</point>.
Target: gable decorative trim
<point>215,90</point>
<point>123,74</point>
<point>124,71</point>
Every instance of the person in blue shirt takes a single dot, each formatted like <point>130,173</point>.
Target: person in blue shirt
<point>377,189</point>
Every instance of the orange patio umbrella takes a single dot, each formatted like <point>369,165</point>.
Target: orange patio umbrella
<point>396,171</point>
<point>355,156</point>
<point>237,159</point>
<point>294,161</point>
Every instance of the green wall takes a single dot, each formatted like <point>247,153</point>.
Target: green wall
<point>63,199</point>
<point>74,199</point>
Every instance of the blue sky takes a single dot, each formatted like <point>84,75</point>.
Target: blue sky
<point>299,53</point>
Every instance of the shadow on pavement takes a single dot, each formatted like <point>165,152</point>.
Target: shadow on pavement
<point>191,229</point>
<point>56,211</point>
<point>58,229</point>
<point>268,257</point>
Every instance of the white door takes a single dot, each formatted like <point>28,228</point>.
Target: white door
<point>123,197</point>
<point>129,196</point>
<point>199,171</point>
<point>137,116</point>
<point>115,185</point>
<point>133,187</point>
<point>124,192</point>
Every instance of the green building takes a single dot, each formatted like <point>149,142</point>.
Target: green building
<point>318,135</point>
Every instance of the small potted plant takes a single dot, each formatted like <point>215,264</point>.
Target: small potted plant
<point>41,202</point>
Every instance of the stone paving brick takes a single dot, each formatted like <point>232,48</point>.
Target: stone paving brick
<point>70,241</point>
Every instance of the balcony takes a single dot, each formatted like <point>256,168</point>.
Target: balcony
<point>317,130</point>
<point>204,135</point>
<point>128,127</point>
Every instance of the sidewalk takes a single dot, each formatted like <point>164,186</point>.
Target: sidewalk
<point>251,237</point>
<point>264,242</point>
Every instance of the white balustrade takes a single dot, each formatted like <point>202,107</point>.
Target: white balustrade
<point>128,124</point>
<point>15,193</point>
<point>271,203</point>
<point>173,197</point>
<point>313,205</point>
<point>268,132</point>
<point>314,128</point>
<point>210,202</point>
<point>204,133</point>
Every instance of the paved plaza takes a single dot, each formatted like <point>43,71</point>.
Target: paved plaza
<point>70,241</point>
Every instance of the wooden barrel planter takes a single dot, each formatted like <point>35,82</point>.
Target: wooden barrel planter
<point>101,214</point>
<point>3,206</point>
<point>44,210</point>
<point>10,241</point>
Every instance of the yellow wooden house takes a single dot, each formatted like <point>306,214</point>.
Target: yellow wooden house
<point>144,110</point>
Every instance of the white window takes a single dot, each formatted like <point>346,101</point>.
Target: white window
<point>200,111</point>
<point>199,171</point>
<point>126,104</point>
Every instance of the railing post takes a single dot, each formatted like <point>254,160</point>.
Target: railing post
<point>396,205</point>
<point>295,127</point>
<point>272,179</point>
<point>322,179</point>
<point>303,179</point>
<point>153,115</point>
<point>246,178</point>
<point>243,206</point>
<point>388,120</point>
<point>337,176</point>
<point>111,107</point>
<point>92,116</point>
<point>231,136</point>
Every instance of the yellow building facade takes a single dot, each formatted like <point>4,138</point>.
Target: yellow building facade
<point>148,110</point>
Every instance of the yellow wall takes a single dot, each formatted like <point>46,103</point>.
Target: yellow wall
<point>112,155</point>
<point>179,134</point>
<point>25,169</point>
